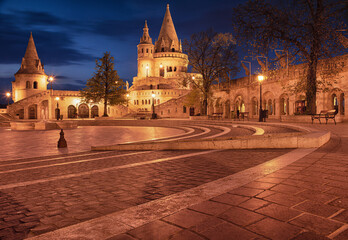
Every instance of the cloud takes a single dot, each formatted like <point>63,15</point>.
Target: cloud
<point>54,47</point>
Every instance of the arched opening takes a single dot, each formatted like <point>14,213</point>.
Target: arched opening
<point>334,102</point>
<point>174,69</point>
<point>94,111</point>
<point>72,112</point>
<point>35,85</point>
<point>342,104</point>
<point>254,107</point>
<point>32,112</point>
<point>184,109</point>
<point>145,101</point>
<point>270,107</point>
<point>227,112</point>
<point>27,84</point>
<point>83,111</point>
<point>158,101</point>
<point>192,111</point>
<point>173,49</point>
<point>142,102</point>
<point>162,49</point>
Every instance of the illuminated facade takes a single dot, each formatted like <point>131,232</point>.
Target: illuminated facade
<point>162,67</point>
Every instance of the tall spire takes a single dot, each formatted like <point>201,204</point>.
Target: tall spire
<point>31,52</point>
<point>146,36</point>
<point>31,63</point>
<point>167,38</point>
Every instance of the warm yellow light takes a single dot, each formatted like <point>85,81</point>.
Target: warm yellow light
<point>161,66</point>
<point>147,67</point>
<point>127,95</point>
<point>57,98</point>
<point>260,78</point>
<point>77,101</point>
<point>8,94</point>
<point>50,78</point>
<point>153,95</point>
<point>193,77</point>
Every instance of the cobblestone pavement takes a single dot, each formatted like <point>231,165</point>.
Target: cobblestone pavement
<point>41,194</point>
<point>308,199</point>
<point>45,193</point>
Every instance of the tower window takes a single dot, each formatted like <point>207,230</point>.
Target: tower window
<point>147,50</point>
<point>142,50</point>
<point>35,85</point>
<point>27,84</point>
<point>173,49</point>
<point>162,50</point>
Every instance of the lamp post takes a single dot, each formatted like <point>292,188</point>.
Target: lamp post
<point>260,78</point>
<point>8,95</point>
<point>51,79</point>
<point>153,107</point>
<point>57,109</point>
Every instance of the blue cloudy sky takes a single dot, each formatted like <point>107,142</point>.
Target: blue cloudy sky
<point>70,34</point>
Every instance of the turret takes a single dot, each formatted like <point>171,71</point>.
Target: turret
<point>145,54</point>
<point>30,78</point>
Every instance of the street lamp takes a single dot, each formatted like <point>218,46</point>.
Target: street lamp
<point>51,79</point>
<point>8,95</point>
<point>57,109</point>
<point>260,78</point>
<point>153,106</point>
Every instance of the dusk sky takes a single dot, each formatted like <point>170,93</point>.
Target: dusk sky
<point>70,34</point>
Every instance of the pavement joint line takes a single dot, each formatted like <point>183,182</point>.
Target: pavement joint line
<point>205,131</point>
<point>73,162</point>
<point>187,130</point>
<point>145,213</point>
<point>338,231</point>
<point>22,184</point>
<point>225,130</point>
<point>78,155</point>
<point>54,159</point>
<point>336,213</point>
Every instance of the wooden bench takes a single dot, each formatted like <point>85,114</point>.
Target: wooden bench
<point>327,114</point>
<point>215,116</point>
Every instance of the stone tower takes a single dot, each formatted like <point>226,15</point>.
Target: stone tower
<point>145,54</point>
<point>30,78</point>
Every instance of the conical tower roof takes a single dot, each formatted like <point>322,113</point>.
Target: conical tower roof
<point>31,52</point>
<point>31,63</point>
<point>167,37</point>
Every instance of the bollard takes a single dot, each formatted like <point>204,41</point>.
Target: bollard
<point>62,142</point>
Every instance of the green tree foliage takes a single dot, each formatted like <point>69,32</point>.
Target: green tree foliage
<point>212,55</point>
<point>309,30</point>
<point>105,85</point>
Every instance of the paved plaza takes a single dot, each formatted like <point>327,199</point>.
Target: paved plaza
<point>191,194</point>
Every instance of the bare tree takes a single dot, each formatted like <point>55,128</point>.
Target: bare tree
<point>211,54</point>
<point>309,30</point>
<point>105,85</point>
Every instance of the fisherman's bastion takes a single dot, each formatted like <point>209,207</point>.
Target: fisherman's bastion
<point>162,66</point>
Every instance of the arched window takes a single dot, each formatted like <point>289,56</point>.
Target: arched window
<point>334,102</point>
<point>162,50</point>
<point>173,49</point>
<point>184,109</point>
<point>145,101</point>
<point>174,69</point>
<point>142,102</point>
<point>142,50</point>
<point>27,84</point>
<point>147,50</point>
<point>35,85</point>
<point>158,101</point>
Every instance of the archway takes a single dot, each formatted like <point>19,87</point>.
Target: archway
<point>227,109</point>
<point>94,111</point>
<point>254,106</point>
<point>32,111</point>
<point>83,111</point>
<point>334,102</point>
<point>284,104</point>
<point>342,104</point>
<point>44,109</point>
<point>72,112</point>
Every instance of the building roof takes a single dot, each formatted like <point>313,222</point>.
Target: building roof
<point>31,63</point>
<point>167,38</point>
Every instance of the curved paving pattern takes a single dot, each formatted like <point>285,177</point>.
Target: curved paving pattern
<point>42,194</point>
